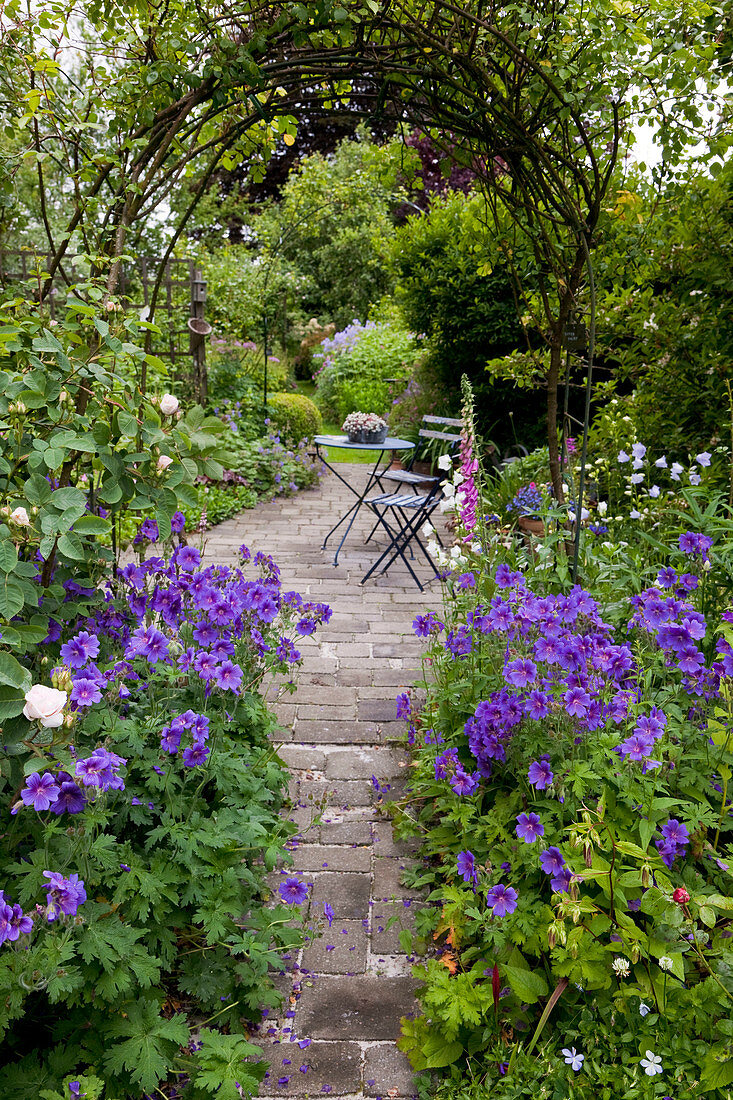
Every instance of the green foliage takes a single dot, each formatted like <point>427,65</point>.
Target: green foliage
<point>174,933</point>
<point>358,367</point>
<point>294,416</point>
<point>80,448</point>
<point>454,285</point>
<point>333,223</point>
<point>609,961</point>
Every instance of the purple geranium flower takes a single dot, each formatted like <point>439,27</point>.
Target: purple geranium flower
<point>529,828</point>
<point>551,861</point>
<point>64,895</point>
<point>466,867</point>
<point>40,791</point>
<point>229,676</point>
<point>502,899</point>
<point>293,891</point>
<point>196,755</point>
<point>540,774</point>
<point>70,799</point>
<point>80,649</point>
<point>463,783</point>
<point>85,692</point>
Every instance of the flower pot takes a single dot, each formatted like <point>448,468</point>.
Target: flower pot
<point>531,526</point>
<point>363,436</point>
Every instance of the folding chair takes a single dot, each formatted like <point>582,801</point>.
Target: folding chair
<point>412,477</point>
<point>412,509</point>
<point>422,506</point>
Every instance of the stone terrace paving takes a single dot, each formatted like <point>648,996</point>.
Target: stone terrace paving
<point>348,988</point>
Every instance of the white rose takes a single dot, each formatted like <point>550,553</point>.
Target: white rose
<point>45,705</point>
<point>164,462</point>
<point>168,404</point>
<point>20,516</point>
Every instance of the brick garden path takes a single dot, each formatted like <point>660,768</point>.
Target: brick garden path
<point>349,987</point>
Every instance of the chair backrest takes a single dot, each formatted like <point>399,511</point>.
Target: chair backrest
<point>446,421</point>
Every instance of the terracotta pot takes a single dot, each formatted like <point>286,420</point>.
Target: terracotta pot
<point>531,526</point>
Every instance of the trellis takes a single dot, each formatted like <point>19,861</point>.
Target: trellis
<point>179,307</point>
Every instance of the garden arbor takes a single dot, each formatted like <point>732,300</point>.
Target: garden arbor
<point>539,98</point>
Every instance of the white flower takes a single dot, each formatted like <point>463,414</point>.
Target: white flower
<point>676,471</point>
<point>168,404</point>
<point>45,705</point>
<point>654,491</point>
<point>20,516</point>
<point>445,462</point>
<point>636,479</point>
<point>602,507</point>
<point>652,1064</point>
<point>695,478</point>
<point>665,963</point>
<point>572,1058</point>
<point>634,514</point>
<point>661,463</point>
<point>164,461</point>
<point>638,450</point>
<point>637,464</point>
<point>644,1009</point>
<point>622,456</point>
<point>621,967</point>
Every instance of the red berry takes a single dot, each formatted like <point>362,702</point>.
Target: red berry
<point>681,896</point>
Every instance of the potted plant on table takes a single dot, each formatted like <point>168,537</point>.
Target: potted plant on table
<point>365,428</point>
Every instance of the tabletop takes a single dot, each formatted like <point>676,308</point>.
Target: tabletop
<point>391,443</point>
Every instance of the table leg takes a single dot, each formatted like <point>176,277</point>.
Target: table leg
<point>354,509</point>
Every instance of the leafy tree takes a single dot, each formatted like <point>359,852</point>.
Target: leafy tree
<point>334,221</point>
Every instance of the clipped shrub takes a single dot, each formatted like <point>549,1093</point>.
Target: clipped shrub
<point>294,415</point>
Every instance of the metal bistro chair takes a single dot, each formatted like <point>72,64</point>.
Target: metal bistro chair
<point>412,509</point>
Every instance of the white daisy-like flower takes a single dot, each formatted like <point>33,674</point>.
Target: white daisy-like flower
<point>652,1064</point>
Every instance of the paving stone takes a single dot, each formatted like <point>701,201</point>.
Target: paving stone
<point>359,763</point>
<point>386,935</point>
<point>340,949</point>
<point>328,732</point>
<point>364,1007</point>
<point>332,857</point>
<point>343,792</point>
<point>346,832</point>
<point>346,892</point>
<point>325,712</point>
<point>328,1064</point>
<point>302,758</point>
<point>386,1068</point>
<point>387,874</point>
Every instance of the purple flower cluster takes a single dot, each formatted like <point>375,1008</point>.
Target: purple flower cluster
<point>100,770</point>
<point>170,737</point>
<point>56,792</point>
<point>553,864</point>
<point>695,544</point>
<point>63,895</point>
<point>528,501</point>
<point>13,921</point>
<point>562,661</point>
<point>673,840</point>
